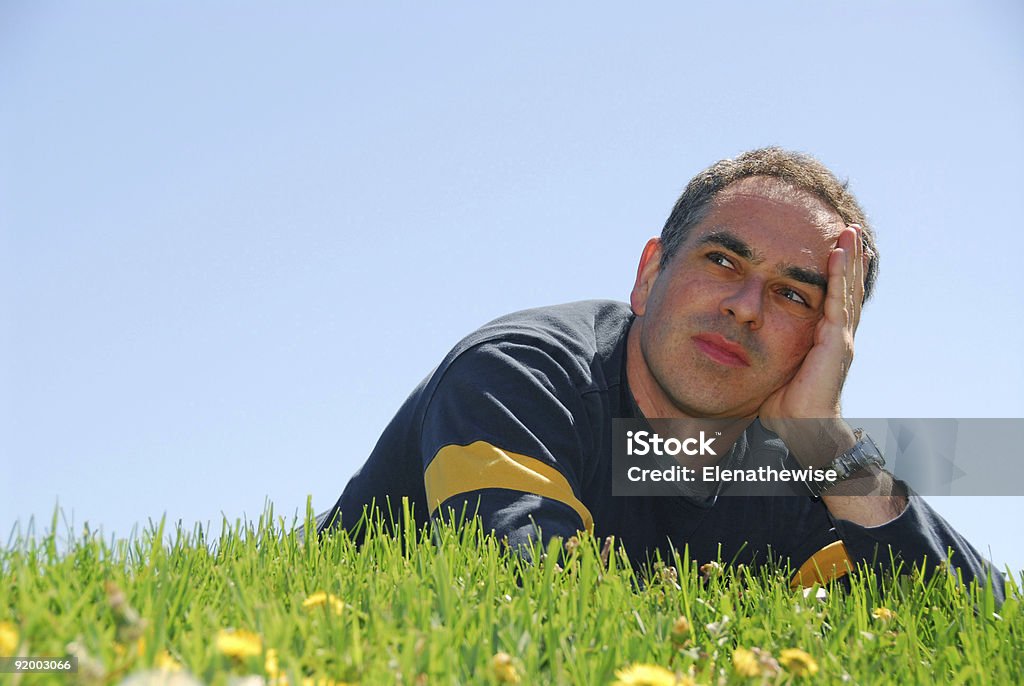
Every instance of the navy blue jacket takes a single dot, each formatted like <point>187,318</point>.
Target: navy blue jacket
<point>515,424</point>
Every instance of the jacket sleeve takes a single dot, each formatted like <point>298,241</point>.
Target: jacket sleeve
<point>919,536</point>
<point>501,440</point>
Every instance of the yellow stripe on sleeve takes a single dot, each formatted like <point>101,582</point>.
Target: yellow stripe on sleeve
<point>464,468</point>
<point>828,564</point>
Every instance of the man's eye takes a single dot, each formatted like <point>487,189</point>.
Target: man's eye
<point>720,259</point>
<point>790,294</point>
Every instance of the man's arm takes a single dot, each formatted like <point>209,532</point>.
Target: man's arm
<point>873,514</point>
<point>870,498</point>
<point>921,537</point>
<point>815,391</point>
<point>500,440</point>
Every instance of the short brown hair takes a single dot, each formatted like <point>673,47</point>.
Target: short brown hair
<point>796,169</point>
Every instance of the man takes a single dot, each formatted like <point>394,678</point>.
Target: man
<point>743,312</point>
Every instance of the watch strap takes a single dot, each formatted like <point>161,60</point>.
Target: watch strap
<point>863,454</point>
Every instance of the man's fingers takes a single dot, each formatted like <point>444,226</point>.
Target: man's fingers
<point>851,268</point>
<point>837,298</point>
<point>858,273</point>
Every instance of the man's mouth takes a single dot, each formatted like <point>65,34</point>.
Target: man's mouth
<point>721,350</point>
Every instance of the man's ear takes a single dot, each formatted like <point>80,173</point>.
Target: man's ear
<point>646,274</point>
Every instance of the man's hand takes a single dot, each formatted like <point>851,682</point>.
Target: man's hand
<point>815,391</point>
<point>806,412</point>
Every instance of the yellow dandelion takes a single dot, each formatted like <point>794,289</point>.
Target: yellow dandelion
<point>503,668</point>
<point>270,663</point>
<point>8,639</point>
<point>239,643</point>
<point>681,629</point>
<point>745,663</point>
<point>645,675</point>
<point>883,613</point>
<point>799,662</point>
<point>163,661</point>
<point>322,599</point>
<point>272,666</point>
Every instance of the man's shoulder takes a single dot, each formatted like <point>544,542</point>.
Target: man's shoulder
<point>581,343</point>
<point>584,328</point>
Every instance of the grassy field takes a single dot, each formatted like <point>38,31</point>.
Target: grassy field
<point>257,606</point>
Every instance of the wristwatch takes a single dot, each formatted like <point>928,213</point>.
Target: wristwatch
<point>864,453</point>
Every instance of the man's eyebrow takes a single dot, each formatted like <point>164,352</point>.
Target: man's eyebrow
<point>732,243</point>
<point>808,276</point>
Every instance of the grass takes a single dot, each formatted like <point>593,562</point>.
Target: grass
<point>454,606</point>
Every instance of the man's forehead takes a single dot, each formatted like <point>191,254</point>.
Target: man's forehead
<point>785,195</point>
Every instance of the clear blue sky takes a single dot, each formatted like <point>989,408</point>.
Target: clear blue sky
<point>235,237</point>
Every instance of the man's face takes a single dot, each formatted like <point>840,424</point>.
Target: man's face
<point>732,315</point>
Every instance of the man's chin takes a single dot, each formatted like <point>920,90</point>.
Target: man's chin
<point>715,408</point>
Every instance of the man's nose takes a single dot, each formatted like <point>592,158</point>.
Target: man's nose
<point>746,303</point>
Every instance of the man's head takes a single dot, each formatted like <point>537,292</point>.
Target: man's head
<point>795,169</point>
<point>729,299</point>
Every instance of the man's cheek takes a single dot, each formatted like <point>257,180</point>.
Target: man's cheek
<point>792,367</point>
<point>798,353</point>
